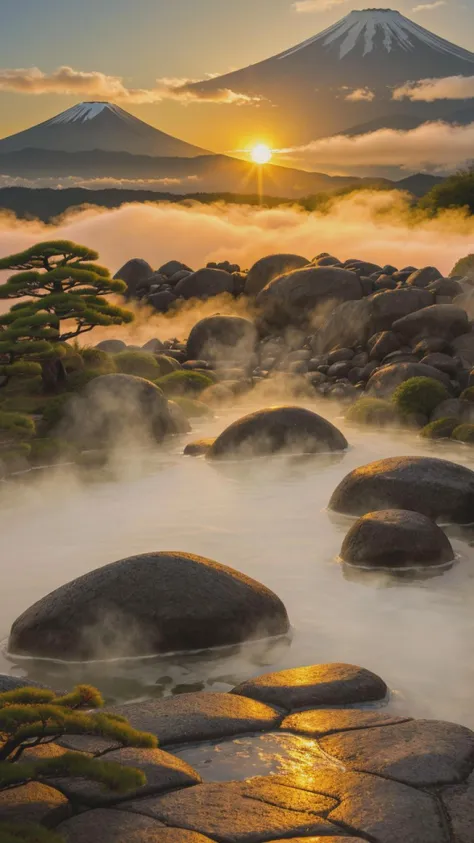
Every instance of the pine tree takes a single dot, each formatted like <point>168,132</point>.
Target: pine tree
<point>30,717</point>
<point>64,296</point>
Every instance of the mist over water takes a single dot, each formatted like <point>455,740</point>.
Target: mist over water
<point>268,519</point>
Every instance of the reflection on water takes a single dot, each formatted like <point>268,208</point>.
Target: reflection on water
<point>268,519</point>
<point>276,753</point>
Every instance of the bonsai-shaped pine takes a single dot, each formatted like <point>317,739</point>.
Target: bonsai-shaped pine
<point>31,717</point>
<point>64,292</point>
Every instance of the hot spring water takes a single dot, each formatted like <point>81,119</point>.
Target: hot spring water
<point>268,519</point>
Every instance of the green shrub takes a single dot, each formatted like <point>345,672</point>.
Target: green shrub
<point>54,411</point>
<point>49,450</point>
<point>139,363</point>
<point>98,360</point>
<point>29,404</point>
<point>372,411</point>
<point>440,429</point>
<point>78,380</point>
<point>468,394</point>
<point>167,364</point>
<point>73,363</point>
<point>419,396</point>
<point>16,426</point>
<point>193,409</point>
<point>184,382</point>
<point>464,433</point>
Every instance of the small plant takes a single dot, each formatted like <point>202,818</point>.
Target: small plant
<point>464,433</point>
<point>184,383</point>
<point>440,429</point>
<point>419,396</point>
<point>31,717</point>
<point>372,411</point>
<point>142,364</point>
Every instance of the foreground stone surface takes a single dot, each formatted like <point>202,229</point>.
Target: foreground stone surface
<point>179,601</point>
<point>437,488</point>
<point>323,684</point>
<point>321,722</point>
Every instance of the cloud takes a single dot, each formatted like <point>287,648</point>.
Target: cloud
<point>316,5</point>
<point>437,146</point>
<point>102,183</point>
<point>444,88</point>
<point>67,80</point>
<point>428,7</point>
<point>360,95</point>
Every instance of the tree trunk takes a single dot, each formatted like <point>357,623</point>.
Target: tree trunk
<point>53,374</point>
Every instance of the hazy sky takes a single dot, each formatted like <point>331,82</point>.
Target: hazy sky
<point>142,40</point>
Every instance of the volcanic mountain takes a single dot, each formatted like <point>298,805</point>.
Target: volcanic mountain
<point>99,125</point>
<point>346,75</point>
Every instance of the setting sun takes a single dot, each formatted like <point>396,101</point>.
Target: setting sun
<point>261,154</point>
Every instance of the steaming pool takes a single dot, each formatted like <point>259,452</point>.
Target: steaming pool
<point>268,519</point>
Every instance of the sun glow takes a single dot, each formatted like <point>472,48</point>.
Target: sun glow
<point>261,154</point>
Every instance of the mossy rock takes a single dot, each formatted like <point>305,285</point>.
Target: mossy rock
<point>142,364</point>
<point>98,360</point>
<point>16,425</point>
<point>198,448</point>
<point>49,450</point>
<point>167,364</point>
<point>193,409</point>
<point>440,429</point>
<point>184,383</point>
<point>372,411</point>
<point>419,396</point>
<point>468,394</point>
<point>464,433</point>
<point>79,380</point>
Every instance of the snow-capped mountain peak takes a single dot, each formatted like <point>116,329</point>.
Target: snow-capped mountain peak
<point>85,111</point>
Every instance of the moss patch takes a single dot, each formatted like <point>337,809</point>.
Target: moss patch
<point>440,429</point>
<point>464,433</point>
<point>372,411</point>
<point>419,396</point>
<point>184,383</point>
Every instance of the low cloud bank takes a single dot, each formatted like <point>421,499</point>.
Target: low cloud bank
<point>375,225</point>
<point>63,182</point>
<point>91,83</point>
<point>434,146</point>
<point>430,90</point>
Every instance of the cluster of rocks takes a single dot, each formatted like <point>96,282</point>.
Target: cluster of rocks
<point>375,777</point>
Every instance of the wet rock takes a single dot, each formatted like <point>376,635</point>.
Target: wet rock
<point>114,826</point>
<point>421,753</point>
<point>198,448</point>
<point>381,344</point>
<point>392,305</point>
<point>197,717</point>
<point>111,346</point>
<point>385,380</point>
<point>234,812</point>
<point>459,804</point>
<point>443,362</point>
<point>204,284</point>
<point>179,418</point>
<point>222,339</point>
<point>270,267</point>
<point>134,273</point>
<point>276,429</point>
<point>179,601</point>
<point>394,538</point>
<point>324,721</point>
<point>318,685</point>
<point>423,277</point>
<point>291,298</point>
<point>445,321</point>
<point>436,488</point>
<point>163,772</point>
<point>432,345</point>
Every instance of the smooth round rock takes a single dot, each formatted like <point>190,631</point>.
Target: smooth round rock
<point>270,267</point>
<point>386,379</point>
<point>437,488</point>
<point>152,603</point>
<point>276,429</point>
<point>394,538</point>
<point>204,284</point>
<point>134,273</point>
<point>445,321</point>
<point>292,298</point>
<point>220,339</point>
<point>111,346</point>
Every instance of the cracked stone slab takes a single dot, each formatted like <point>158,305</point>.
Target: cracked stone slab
<point>324,721</point>
<point>380,810</point>
<point>459,803</point>
<point>317,685</point>
<point>31,802</point>
<point>163,772</point>
<point>237,813</point>
<point>109,826</point>
<point>188,718</point>
<point>422,753</point>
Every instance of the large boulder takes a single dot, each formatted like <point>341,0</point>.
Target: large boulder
<point>349,324</point>
<point>171,268</point>
<point>276,429</point>
<point>395,538</point>
<point>385,380</point>
<point>118,406</point>
<point>111,346</point>
<point>445,321</point>
<point>147,604</point>
<point>222,339</point>
<point>270,267</point>
<point>293,298</point>
<point>204,284</point>
<point>135,273</point>
<point>437,488</point>
<point>391,305</point>
<point>423,277</point>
